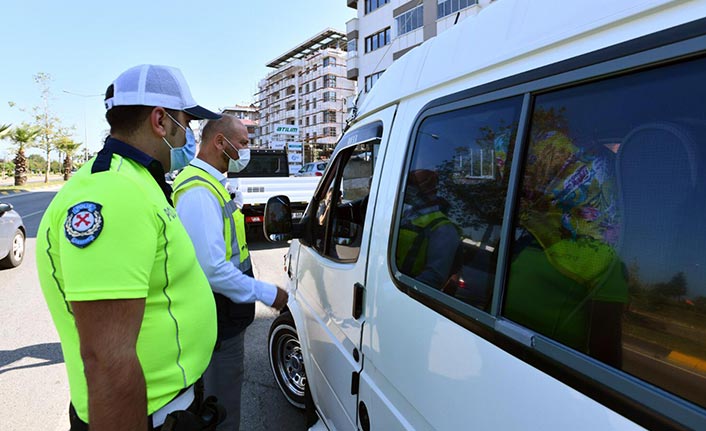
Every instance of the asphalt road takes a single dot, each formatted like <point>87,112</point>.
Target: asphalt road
<point>33,379</point>
<point>31,207</point>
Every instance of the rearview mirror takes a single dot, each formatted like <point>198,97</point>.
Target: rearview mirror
<point>5,208</point>
<point>278,219</point>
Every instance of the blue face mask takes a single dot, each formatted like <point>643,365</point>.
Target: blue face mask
<point>180,157</point>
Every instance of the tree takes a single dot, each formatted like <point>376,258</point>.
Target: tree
<point>49,125</point>
<point>4,130</point>
<point>36,164</point>
<point>674,288</point>
<point>68,147</point>
<point>22,136</point>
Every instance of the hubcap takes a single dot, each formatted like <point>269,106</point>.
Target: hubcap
<point>291,364</point>
<point>18,247</point>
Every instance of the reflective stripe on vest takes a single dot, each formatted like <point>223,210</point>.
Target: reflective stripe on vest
<point>414,240</point>
<point>233,219</point>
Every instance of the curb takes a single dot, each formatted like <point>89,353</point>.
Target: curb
<point>12,192</point>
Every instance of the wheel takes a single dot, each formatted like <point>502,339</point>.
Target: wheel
<point>286,360</point>
<point>17,251</point>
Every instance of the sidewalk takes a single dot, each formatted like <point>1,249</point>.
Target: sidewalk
<point>34,183</point>
<point>10,181</point>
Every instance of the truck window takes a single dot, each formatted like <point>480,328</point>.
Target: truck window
<point>454,196</point>
<point>264,163</point>
<point>609,248</point>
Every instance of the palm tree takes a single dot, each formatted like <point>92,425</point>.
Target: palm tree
<point>4,130</point>
<point>67,146</point>
<point>22,136</point>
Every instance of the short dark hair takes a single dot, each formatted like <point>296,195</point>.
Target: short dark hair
<point>127,119</point>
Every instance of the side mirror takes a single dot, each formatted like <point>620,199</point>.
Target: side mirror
<point>345,232</point>
<point>5,208</point>
<point>278,219</point>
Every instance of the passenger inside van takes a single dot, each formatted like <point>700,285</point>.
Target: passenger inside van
<point>428,238</point>
<point>564,259</point>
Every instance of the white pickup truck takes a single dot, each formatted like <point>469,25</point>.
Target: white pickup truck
<point>267,175</point>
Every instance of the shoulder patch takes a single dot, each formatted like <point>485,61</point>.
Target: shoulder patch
<point>84,223</point>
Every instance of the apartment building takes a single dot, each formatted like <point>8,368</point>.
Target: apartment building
<point>387,29</point>
<point>249,116</point>
<point>302,102</point>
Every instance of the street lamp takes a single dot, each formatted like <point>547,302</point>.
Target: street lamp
<point>84,96</point>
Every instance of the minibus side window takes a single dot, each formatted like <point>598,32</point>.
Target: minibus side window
<point>453,200</point>
<point>608,255</point>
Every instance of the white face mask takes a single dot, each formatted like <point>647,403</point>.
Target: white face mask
<point>242,161</point>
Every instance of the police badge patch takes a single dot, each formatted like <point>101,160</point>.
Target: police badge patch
<point>84,223</point>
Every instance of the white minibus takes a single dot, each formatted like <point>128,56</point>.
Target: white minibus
<point>511,234</point>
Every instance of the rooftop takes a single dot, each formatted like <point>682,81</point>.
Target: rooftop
<point>329,38</point>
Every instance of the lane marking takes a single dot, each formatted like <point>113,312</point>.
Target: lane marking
<point>34,213</point>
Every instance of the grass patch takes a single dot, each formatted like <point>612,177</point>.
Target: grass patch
<point>33,185</point>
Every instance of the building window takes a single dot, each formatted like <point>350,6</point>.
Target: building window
<point>370,80</point>
<point>330,81</point>
<point>307,121</point>
<point>377,40</point>
<point>447,7</point>
<point>330,131</point>
<point>329,116</point>
<point>371,5</point>
<point>329,61</point>
<point>410,20</point>
<point>329,96</point>
<point>352,45</point>
<point>307,105</point>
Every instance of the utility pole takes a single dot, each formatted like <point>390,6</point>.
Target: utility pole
<point>85,126</point>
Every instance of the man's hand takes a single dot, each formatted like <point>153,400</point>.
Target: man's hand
<point>281,299</point>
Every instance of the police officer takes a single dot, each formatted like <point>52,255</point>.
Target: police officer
<point>135,316</point>
<point>217,227</point>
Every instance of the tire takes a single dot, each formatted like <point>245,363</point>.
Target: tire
<point>17,251</point>
<point>286,360</point>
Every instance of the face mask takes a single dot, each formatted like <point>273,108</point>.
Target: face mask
<point>243,158</point>
<point>180,157</point>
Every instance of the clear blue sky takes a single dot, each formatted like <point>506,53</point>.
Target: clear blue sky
<point>221,47</point>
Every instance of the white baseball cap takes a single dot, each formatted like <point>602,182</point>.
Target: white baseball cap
<point>152,85</point>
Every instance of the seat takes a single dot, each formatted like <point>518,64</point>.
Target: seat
<point>658,175</point>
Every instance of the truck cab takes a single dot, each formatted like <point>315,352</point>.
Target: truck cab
<point>267,175</point>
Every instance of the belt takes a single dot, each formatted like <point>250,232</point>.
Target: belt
<point>181,402</point>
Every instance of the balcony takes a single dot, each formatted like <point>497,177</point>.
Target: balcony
<point>352,26</point>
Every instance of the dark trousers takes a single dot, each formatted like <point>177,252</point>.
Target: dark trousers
<point>77,424</point>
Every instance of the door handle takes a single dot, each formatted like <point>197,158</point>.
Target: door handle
<point>358,290</point>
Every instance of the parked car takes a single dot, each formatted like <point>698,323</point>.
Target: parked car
<point>12,237</point>
<point>314,169</point>
<point>513,236</point>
